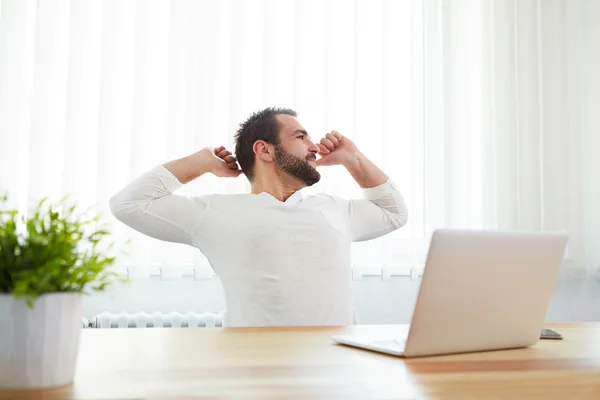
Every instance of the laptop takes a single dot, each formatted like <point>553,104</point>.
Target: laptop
<point>480,291</point>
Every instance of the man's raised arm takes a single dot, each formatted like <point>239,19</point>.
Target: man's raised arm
<point>149,205</point>
<point>382,209</point>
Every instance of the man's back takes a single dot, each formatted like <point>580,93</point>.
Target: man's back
<point>280,263</point>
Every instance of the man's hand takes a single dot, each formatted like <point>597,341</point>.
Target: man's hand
<point>220,162</point>
<point>336,149</point>
<point>217,161</point>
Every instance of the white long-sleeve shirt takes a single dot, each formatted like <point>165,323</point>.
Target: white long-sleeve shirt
<point>280,263</point>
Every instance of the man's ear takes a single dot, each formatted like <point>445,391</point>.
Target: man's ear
<point>264,150</point>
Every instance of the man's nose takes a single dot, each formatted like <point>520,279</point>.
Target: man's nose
<point>313,148</point>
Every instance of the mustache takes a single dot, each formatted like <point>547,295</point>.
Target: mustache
<point>311,157</point>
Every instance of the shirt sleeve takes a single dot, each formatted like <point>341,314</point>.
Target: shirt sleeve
<point>380,211</point>
<point>149,205</point>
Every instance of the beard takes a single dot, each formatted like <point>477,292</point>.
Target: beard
<point>297,167</point>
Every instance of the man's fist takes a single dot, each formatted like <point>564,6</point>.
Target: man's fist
<point>220,162</point>
<point>336,149</point>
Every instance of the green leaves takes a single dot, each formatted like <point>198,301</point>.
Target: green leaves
<point>56,249</point>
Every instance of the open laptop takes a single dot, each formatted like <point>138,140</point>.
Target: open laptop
<point>480,290</point>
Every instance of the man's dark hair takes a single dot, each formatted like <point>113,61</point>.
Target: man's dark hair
<point>261,125</point>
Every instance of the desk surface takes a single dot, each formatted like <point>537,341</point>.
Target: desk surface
<point>303,363</point>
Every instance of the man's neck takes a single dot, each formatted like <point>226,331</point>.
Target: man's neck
<point>280,186</point>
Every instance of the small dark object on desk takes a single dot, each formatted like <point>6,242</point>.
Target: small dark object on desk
<point>550,334</point>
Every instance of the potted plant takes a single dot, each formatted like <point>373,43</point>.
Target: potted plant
<point>48,260</point>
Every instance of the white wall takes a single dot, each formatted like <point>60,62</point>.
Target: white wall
<point>377,301</point>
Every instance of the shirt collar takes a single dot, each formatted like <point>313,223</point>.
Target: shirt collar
<point>293,199</point>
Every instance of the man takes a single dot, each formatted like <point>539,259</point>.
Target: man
<point>283,258</point>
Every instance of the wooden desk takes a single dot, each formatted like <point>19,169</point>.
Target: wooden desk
<point>302,363</point>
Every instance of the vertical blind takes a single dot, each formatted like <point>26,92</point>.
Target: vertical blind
<point>483,112</point>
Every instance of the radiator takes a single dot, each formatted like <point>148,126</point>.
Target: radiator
<point>157,320</point>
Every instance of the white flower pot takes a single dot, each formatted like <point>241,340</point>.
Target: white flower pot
<point>39,346</point>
